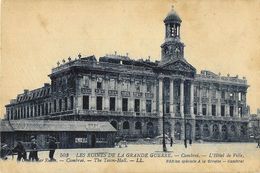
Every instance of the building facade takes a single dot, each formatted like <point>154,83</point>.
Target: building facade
<point>134,95</point>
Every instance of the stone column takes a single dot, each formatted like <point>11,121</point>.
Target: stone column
<point>143,99</point>
<point>192,99</point>
<point>92,104</point>
<point>182,98</point>
<point>200,101</point>
<point>160,126</point>
<point>160,97</point>
<point>154,101</point>
<point>218,109</point>
<point>106,97</point>
<point>119,97</point>
<point>131,99</point>
<point>227,110</point>
<point>171,97</point>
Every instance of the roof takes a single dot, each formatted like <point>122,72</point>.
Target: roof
<point>54,125</point>
<point>172,16</point>
<point>5,126</point>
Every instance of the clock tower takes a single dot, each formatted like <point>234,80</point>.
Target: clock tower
<point>172,48</point>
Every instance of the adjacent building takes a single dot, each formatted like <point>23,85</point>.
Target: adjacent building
<point>134,95</point>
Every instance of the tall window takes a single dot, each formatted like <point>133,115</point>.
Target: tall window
<point>112,104</point>
<point>85,102</point>
<point>99,83</point>
<point>222,110</point>
<point>125,104</point>
<point>213,110</point>
<point>240,111</point>
<point>214,93</point>
<point>195,109</point>
<point>137,105</point>
<point>65,103</point>
<point>99,103</point>
<point>112,84</point>
<point>137,86</point>
<point>204,109</point>
<point>204,92</point>
<point>148,106</point>
<point>71,102</point>
<point>86,81</point>
<point>167,107</point>
<point>60,105</point>
<point>239,96</point>
<point>125,85</point>
<point>149,87</point>
<point>231,96</point>
<point>231,110</point>
<point>223,94</point>
<point>196,91</point>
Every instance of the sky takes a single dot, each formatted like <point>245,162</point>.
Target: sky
<point>220,36</point>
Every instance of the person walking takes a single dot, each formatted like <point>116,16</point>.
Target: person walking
<point>190,141</point>
<point>52,147</point>
<point>258,142</point>
<point>34,153</point>
<point>21,153</point>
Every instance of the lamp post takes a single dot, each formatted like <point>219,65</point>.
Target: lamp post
<point>163,118</point>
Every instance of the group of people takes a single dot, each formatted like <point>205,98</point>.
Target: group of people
<point>33,150</point>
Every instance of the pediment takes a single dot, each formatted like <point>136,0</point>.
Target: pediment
<point>179,65</point>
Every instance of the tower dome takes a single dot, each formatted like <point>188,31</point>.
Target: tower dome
<point>171,17</point>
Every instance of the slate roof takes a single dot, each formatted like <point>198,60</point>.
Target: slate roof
<point>53,125</point>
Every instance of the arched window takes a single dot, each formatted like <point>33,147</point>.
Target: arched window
<point>114,124</point>
<point>215,128</point>
<point>138,125</point>
<point>126,125</point>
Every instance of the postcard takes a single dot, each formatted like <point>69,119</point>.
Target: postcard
<point>130,86</point>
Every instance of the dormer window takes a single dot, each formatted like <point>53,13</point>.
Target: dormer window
<point>86,81</point>
<point>99,83</point>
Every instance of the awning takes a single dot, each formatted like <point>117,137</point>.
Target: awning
<point>54,125</point>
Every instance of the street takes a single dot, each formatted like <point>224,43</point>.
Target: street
<point>214,156</point>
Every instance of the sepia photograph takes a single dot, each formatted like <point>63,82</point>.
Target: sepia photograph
<point>130,86</point>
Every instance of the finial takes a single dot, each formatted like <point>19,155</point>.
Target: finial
<point>79,55</point>
<point>172,7</point>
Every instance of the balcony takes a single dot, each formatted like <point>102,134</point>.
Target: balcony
<point>112,92</point>
<point>149,95</point>
<point>85,90</point>
<point>220,118</point>
<point>99,91</point>
<point>125,93</point>
<point>138,94</point>
<point>115,113</point>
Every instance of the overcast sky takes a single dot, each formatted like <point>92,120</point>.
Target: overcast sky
<point>221,36</point>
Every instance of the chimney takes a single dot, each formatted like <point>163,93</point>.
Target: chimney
<point>26,91</point>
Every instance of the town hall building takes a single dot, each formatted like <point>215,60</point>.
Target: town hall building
<point>134,95</point>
